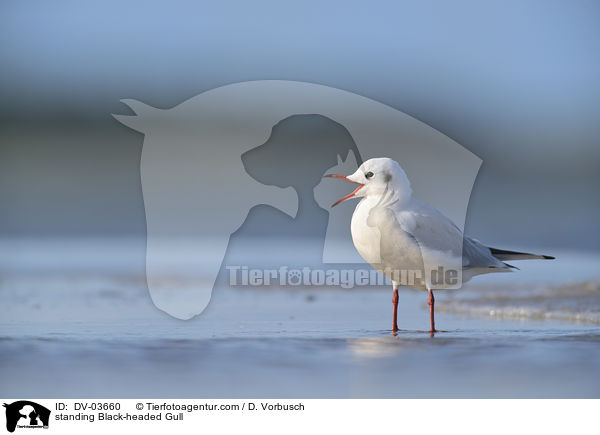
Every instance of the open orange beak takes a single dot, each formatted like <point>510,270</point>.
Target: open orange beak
<point>351,194</point>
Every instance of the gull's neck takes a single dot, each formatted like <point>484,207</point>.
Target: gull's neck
<point>392,196</point>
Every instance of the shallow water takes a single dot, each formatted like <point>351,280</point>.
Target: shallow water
<point>98,335</point>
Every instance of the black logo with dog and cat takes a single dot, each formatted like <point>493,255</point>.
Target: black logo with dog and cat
<point>25,414</point>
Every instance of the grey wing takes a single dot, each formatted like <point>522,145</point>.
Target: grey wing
<point>478,256</point>
<point>435,231</point>
<point>432,230</point>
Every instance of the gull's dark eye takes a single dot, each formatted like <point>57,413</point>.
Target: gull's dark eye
<point>369,174</point>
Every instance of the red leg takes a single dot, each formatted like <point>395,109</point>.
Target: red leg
<point>431,303</point>
<point>395,302</point>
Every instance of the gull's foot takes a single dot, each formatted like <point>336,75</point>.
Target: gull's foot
<point>432,333</point>
<point>392,331</point>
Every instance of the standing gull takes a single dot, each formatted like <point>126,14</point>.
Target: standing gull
<point>397,234</point>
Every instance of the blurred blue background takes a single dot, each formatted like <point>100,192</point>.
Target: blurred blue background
<point>514,82</point>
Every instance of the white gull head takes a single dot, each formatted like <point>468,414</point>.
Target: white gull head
<point>379,177</point>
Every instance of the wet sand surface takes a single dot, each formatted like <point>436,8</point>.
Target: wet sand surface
<point>100,335</point>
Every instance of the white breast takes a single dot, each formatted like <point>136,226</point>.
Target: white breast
<point>366,238</point>
<point>397,251</point>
